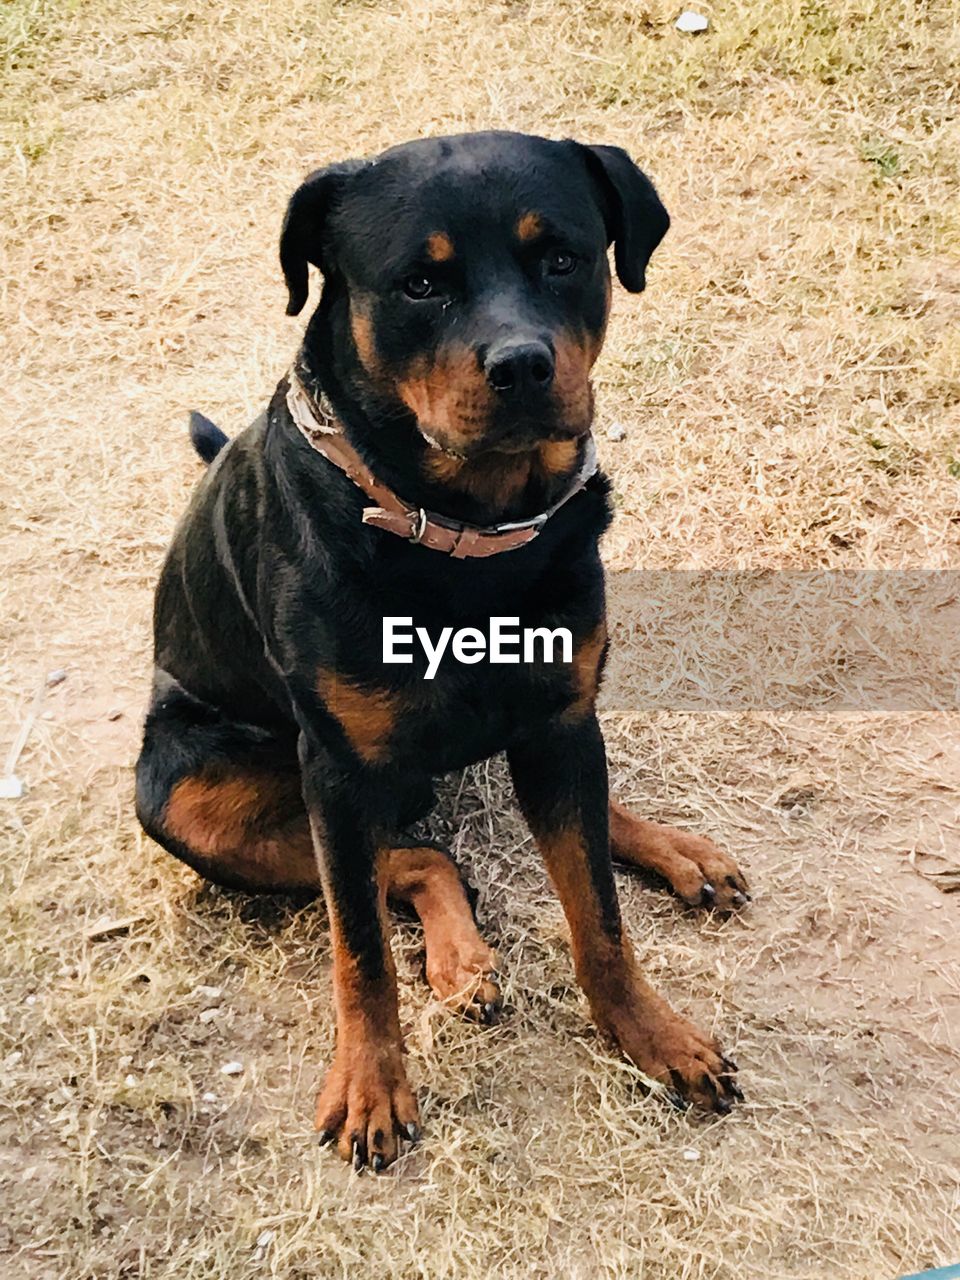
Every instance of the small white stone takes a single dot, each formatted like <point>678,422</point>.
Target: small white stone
<point>13,1059</point>
<point>209,993</point>
<point>691,22</point>
<point>691,1153</point>
<point>208,1097</point>
<point>11,788</point>
<point>130,1081</point>
<point>30,1000</point>
<point>616,431</point>
<point>208,1015</point>
<point>265,1238</point>
<point>231,1069</point>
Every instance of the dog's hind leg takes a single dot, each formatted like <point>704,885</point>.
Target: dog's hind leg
<point>226,799</point>
<point>460,965</point>
<point>223,797</point>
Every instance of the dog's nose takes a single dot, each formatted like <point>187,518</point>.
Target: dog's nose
<point>519,368</point>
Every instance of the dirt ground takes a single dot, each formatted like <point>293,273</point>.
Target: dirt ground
<point>790,390</point>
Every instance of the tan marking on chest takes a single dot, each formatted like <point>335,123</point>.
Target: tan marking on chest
<point>586,670</point>
<point>367,716</point>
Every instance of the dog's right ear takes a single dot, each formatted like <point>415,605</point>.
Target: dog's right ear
<point>303,237</point>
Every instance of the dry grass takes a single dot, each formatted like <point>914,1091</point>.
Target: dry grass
<point>790,389</point>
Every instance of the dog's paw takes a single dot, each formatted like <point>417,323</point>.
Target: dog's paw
<point>671,1049</point>
<point>367,1107</point>
<point>697,871</point>
<point>463,976</point>
<point>703,875</point>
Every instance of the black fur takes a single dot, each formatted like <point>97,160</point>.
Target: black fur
<point>272,576</point>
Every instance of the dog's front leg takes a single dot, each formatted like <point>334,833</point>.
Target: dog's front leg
<point>366,1104</point>
<point>560,776</point>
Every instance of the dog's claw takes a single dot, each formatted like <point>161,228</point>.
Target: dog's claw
<point>730,1064</point>
<point>325,1136</point>
<point>359,1158</point>
<point>735,1090</point>
<point>490,1011</point>
<point>377,1163</point>
<point>676,1100</point>
<point>412,1132</point>
<point>708,894</point>
<point>741,893</point>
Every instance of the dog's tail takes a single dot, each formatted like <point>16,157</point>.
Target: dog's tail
<point>206,437</point>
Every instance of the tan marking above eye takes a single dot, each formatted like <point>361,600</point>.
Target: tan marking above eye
<point>529,226</point>
<point>439,247</point>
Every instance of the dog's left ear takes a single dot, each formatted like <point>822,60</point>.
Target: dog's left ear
<point>633,212</point>
<point>303,238</point>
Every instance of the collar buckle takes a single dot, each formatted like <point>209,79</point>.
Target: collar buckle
<point>418,524</point>
<point>535,523</point>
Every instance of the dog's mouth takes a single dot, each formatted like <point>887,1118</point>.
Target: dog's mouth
<point>460,412</point>
<point>513,439</point>
<point>435,442</point>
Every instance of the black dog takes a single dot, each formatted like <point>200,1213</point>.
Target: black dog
<point>441,394</point>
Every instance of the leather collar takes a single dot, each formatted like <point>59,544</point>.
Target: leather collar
<point>455,538</point>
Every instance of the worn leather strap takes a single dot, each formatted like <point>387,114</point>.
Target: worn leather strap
<point>455,538</point>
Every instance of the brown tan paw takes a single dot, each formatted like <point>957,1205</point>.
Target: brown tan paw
<point>709,876</point>
<point>671,1049</point>
<point>464,977</point>
<point>366,1107</point>
<point>697,871</point>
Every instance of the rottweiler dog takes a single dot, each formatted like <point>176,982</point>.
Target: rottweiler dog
<point>427,457</point>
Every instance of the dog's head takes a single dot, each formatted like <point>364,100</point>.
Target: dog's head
<point>475,274</point>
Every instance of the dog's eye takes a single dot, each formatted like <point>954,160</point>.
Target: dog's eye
<point>560,263</point>
<point>418,287</point>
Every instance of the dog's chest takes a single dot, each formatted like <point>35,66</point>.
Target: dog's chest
<point>441,699</point>
<point>437,672</point>
<point>468,712</point>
